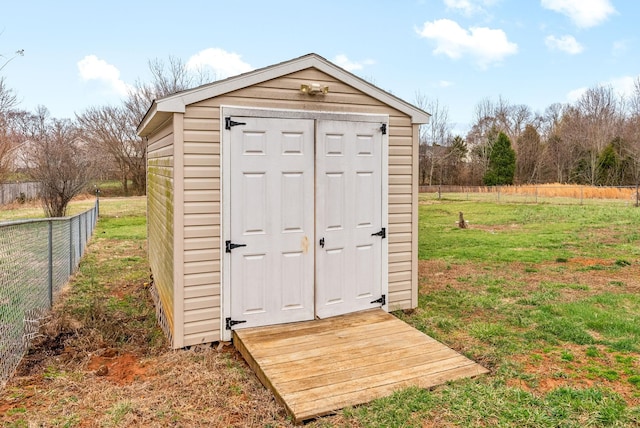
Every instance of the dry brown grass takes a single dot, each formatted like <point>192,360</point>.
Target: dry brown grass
<point>556,190</point>
<point>101,361</point>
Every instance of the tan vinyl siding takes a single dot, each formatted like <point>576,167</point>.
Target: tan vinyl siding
<point>160,213</point>
<point>202,190</point>
<point>201,226</point>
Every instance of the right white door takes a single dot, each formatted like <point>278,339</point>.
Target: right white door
<point>348,217</point>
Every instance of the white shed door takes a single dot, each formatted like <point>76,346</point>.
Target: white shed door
<point>348,217</point>
<point>272,218</point>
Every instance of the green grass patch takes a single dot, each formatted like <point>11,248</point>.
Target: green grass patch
<point>123,228</point>
<point>485,403</point>
<point>117,263</point>
<point>525,233</point>
<point>542,296</point>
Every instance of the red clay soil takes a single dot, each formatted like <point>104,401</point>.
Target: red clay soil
<point>121,369</point>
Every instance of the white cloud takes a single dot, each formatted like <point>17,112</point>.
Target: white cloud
<point>486,45</point>
<point>623,87</point>
<point>575,94</point>
<point>469,7</point>
<point>619,48</point>
<point>349,65</point>
<point>583,13</point>
<point>93,68</point>
<point>444,83</point>
<point>224,64</point>
<point>565,43</point>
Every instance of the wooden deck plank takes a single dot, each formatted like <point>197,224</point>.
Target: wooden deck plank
<point>347,342</point>
<point>306,328</point>
<point>360,373</point>
<point>315,408</point>
<point>345,360</point>
<point>317,367</point>
<point>274,345</point>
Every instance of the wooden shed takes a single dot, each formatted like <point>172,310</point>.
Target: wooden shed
<point>284,194</point>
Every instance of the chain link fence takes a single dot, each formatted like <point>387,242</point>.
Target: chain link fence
<point>37,257</point>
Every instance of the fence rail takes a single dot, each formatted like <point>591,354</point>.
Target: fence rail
<point>12,192</point>
<point>542,193</point>
<point>37,257</point>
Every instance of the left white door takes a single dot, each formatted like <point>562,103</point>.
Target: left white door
<point>272,218</point>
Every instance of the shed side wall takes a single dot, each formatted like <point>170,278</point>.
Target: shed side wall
<point>160,216</point>
<point>202,190</point>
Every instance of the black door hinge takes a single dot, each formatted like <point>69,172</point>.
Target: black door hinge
<point>382,233</point>
<point>383,128</point>
<point>228,246</point>
<point>321,242</point>
<point>228,123</point>
<point>229,323</point>
<point>382,300</point>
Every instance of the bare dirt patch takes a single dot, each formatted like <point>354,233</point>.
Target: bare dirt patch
<point>550,370</point>
<point>121,369</point>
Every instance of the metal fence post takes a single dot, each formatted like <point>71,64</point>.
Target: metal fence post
<point>70,246</point>
<point>50,263</point>
<point>97,211</point>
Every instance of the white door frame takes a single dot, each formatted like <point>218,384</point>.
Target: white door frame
<point>225,191</point>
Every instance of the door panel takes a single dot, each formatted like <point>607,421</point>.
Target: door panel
<point>272,213</point>
<point>349,195</point>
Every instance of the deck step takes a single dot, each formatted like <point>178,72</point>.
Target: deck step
<point>315,368</point>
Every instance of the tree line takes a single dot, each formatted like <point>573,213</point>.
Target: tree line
<point>99,143</point>
<point>594,140</point>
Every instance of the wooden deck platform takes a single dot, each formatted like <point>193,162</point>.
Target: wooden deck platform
<point>315,368</point>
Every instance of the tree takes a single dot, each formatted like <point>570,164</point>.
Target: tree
<point>631,134</point>
<point>599,121</point>
<point>167,78</point>
<point>16,54</point>
<point>114,128</point>
<point>455,168</point>
<point>529,156</point>
<point>110,129</point>
<point>610,165</point>
<point>434,137</point>
<point>8,101</point>
<point>57,158</point>
<point>502,162</point>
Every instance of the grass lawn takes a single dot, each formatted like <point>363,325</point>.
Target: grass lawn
<point>547,297</point>
<point>33,209</point>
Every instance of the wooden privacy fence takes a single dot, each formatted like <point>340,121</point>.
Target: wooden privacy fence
<point>537,193</point>
<point>12,192</point>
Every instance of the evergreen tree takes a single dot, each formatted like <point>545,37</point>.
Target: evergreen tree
<point>502,162</point>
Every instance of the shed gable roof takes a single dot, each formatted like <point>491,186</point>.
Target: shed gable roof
<point>161,109</point>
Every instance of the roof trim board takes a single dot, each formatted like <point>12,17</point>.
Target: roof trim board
<point>176,103</point>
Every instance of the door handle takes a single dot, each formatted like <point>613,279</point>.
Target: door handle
<point>230,246</point>
<point>321,242</point>
<point>382,233</point>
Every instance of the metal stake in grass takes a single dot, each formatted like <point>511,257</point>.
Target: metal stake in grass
<point>461,223</point>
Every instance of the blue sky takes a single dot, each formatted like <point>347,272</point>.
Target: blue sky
<point>535,52</point>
